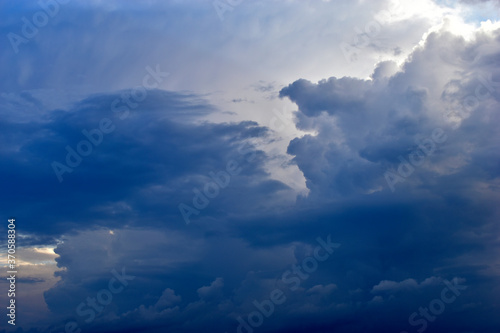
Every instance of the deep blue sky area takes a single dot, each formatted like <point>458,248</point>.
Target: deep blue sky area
<point>250,166</point>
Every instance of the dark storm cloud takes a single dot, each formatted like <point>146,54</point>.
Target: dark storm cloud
<point>146,166</point>
<point>363,126</point>
<point>117,211</point>
<point>332,95</point>
<point>398,249</point>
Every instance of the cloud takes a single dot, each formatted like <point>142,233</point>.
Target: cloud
<point>167,299</point>
<point>118,209</point>
<point>212,290</point>
<point>408,284</point>
<point>321,289</point>
<point>363,126</point>
<point>150,163</point>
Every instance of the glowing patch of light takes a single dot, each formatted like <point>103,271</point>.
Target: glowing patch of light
<point>45,250</point>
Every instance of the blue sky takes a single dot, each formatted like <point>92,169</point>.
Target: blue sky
<point>251,166</point>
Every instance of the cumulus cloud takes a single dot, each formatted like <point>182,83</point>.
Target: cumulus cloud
<point>156,150</point>
<point>167,299</point>
<point>408,284</point>
<point>212,290</point>
<point>321,289</point>
<point>363,126</point>
<point>118,209</point>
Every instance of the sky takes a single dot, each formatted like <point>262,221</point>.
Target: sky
<point>251,166</point>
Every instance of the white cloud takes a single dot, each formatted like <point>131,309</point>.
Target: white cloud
<point>364,125</point>
<point>405,285</point>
